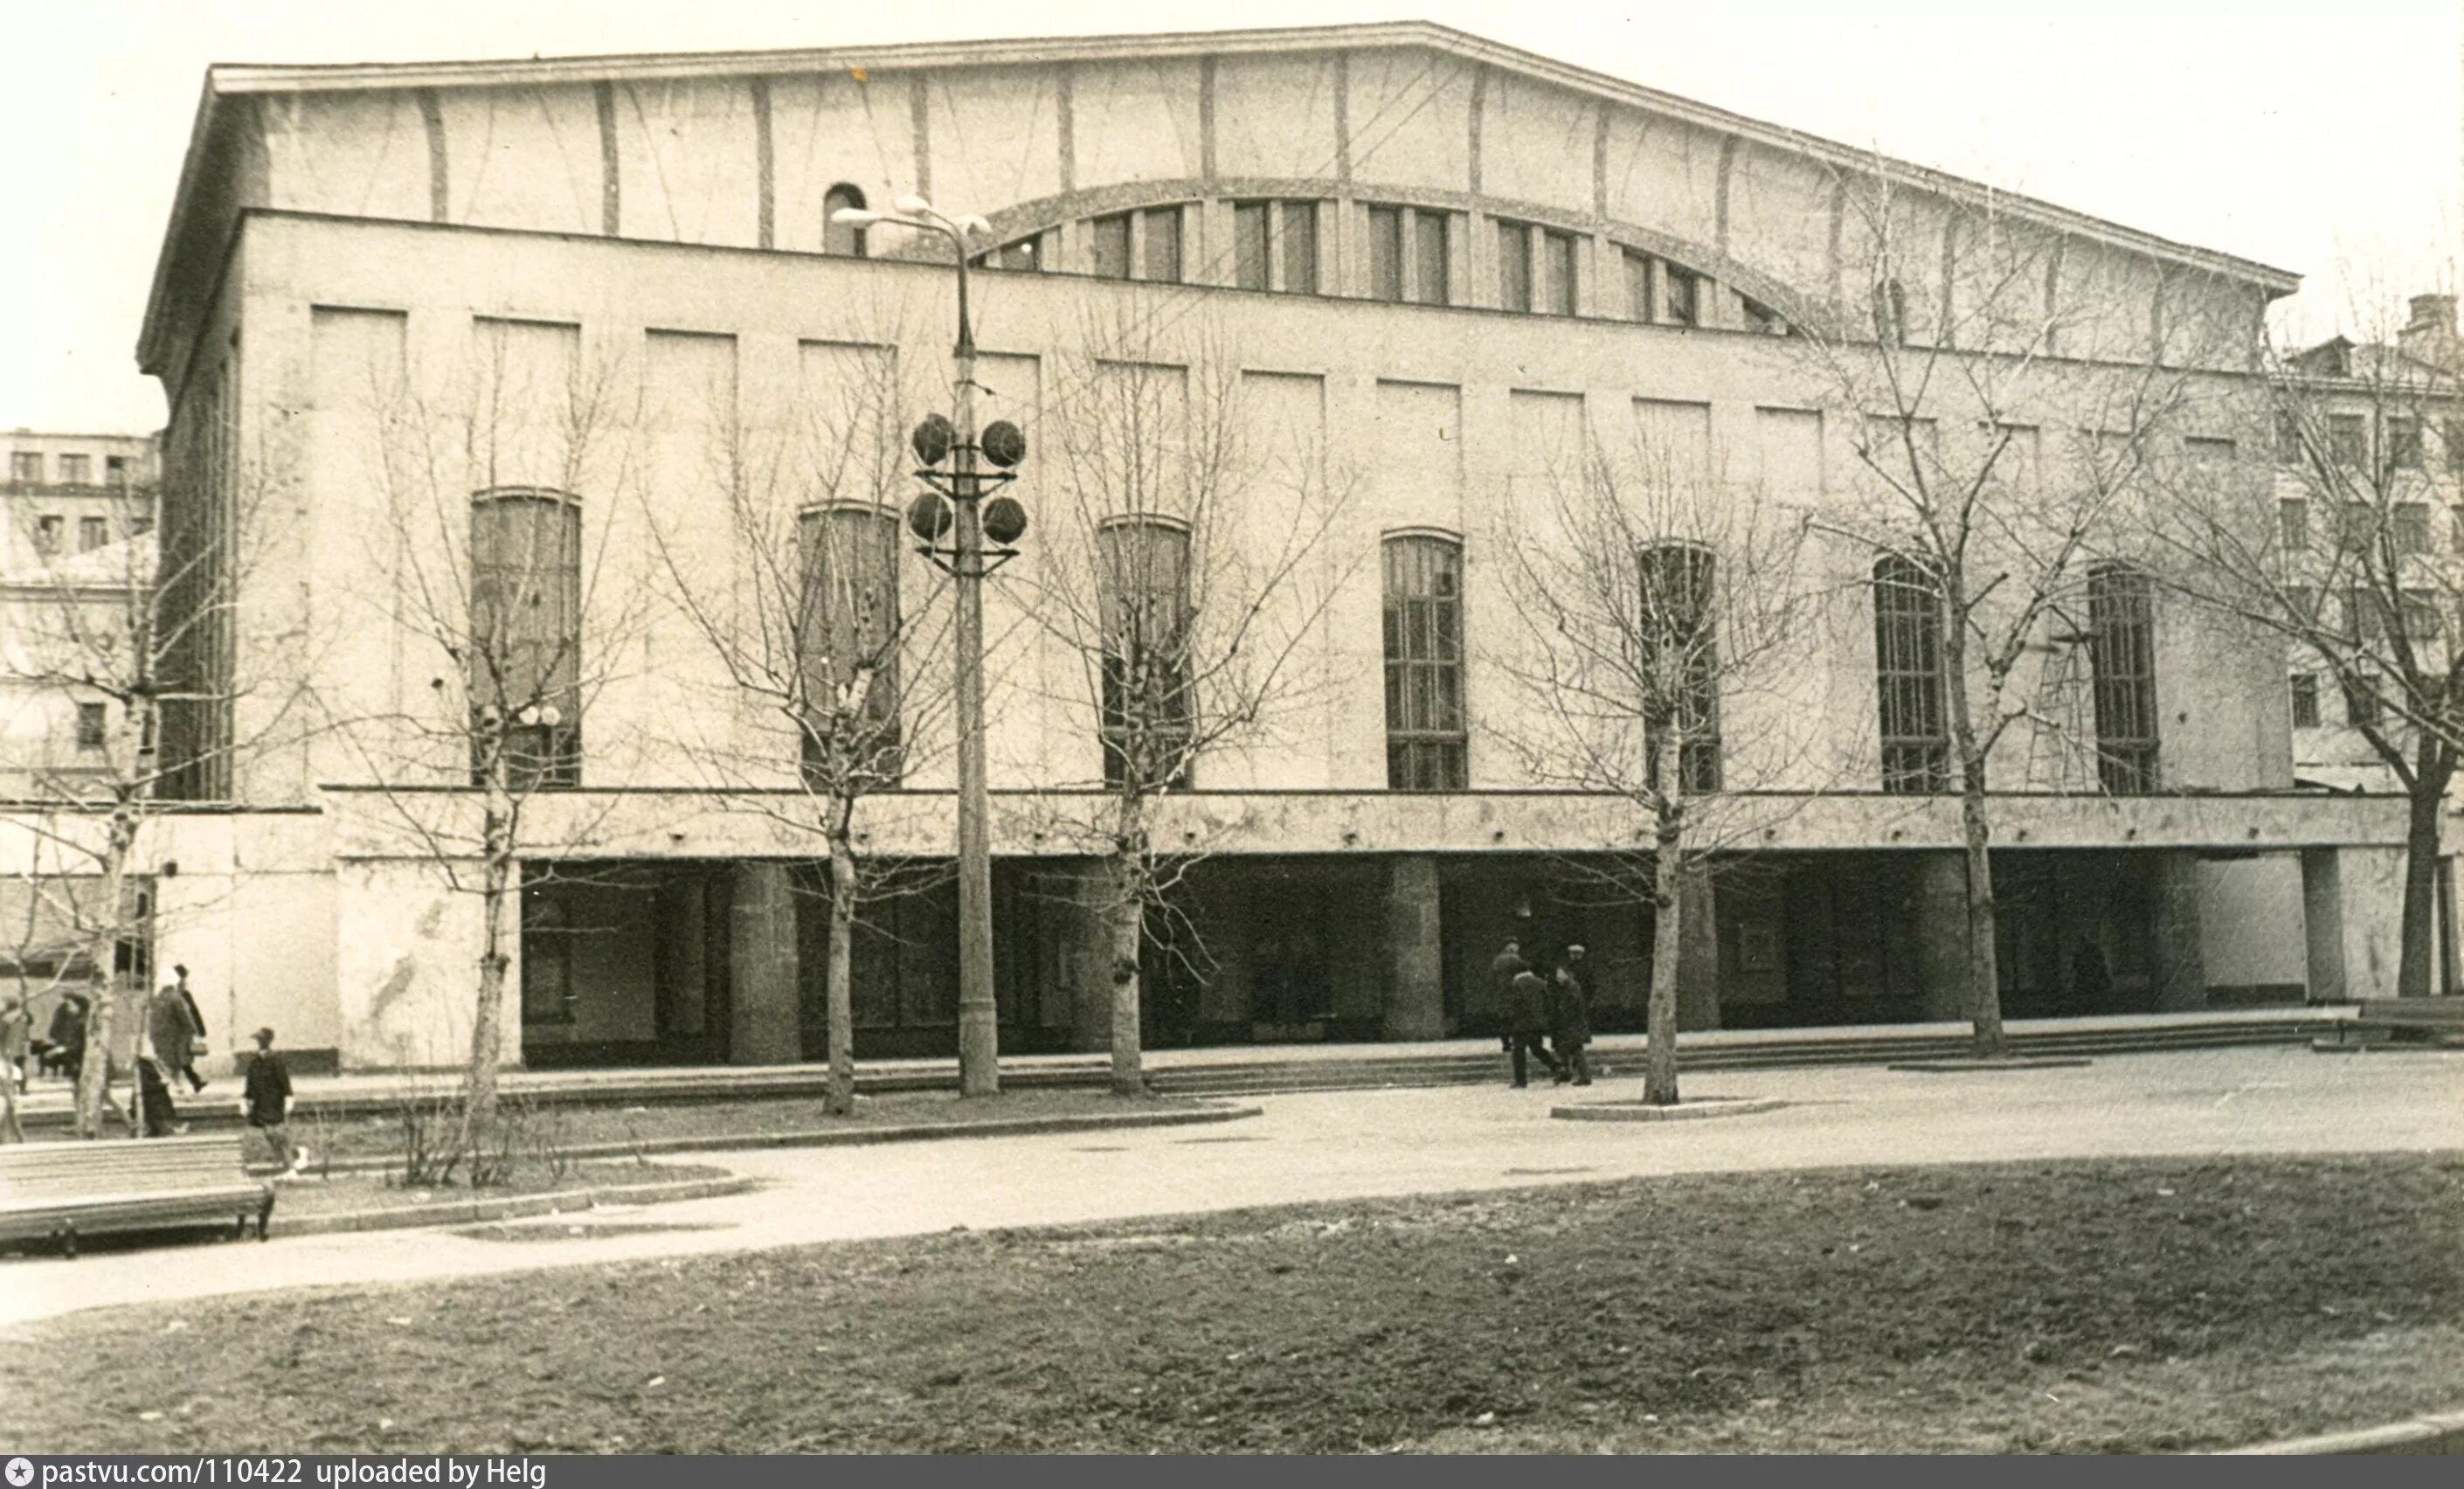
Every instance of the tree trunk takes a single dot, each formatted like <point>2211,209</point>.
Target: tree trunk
<point>103,1015</point>
<point>1667,926</point>
<point>1976,829</point>
<point>495,889</point>
<point>1125,919</point>
<point>838,1094</point>
<point>2434,766</point>
<point>1984,964</point>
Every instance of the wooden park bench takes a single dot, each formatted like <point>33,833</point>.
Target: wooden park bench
<point>62,1190</point>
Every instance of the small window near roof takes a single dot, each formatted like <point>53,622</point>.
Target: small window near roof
<point>1684,291</point>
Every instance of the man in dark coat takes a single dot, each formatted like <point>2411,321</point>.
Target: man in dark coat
<point>269,1103</point>
<point>196,1024</point>
<point>1527,1023</point>
<point>173,1035</point>
<point>1570,1012</point>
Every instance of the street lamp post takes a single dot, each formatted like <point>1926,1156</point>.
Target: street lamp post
<point>953,508</point>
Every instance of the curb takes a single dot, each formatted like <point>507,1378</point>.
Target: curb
<point>1700,1108</point>
<point>853,1137</point>
<point>2439,1435</point>
<point>1957,1066</point>
<point>515,1207</point>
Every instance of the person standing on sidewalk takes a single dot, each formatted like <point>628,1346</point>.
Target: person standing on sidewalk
<point>173,1032</point>
<point>1570,1012</point>
<point>196,1022</point>
<point>1528,1025</point>
<point>269,1103</point>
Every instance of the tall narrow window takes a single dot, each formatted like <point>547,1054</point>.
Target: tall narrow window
<point>1251,267</point>
<point>838,237</point>
<point>1147,707</point>
<point>1431,270</point>
<point>2403,442</point>
<point>2121,621</point>
<point>524,650</point>
<point>1890,311</point>
<point>1680,641</point>
<point>1684,292</point>
<point>1513,266</point>
<point>847,644</point>
<point>1907,674</point>
<point>1162,258</point>
<point>1111,235</point>
<point>2348,441</point>
<point>1385,261</point>
<point>1296,232</point>
<point>91,722</point>
<point>1556,291</point>
<point>2305,700</point>
<point>1425,734</point>
<point>2411,528</point>
<point>1638,298</point>
<point>2293,522</point>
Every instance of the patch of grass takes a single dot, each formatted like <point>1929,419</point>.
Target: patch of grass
<point>2088,1306</point>
<point>346,1193</point>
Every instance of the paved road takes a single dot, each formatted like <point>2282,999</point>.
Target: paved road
<point>1326,1147</point>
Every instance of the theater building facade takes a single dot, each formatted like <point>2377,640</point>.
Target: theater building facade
<point>563,301</point>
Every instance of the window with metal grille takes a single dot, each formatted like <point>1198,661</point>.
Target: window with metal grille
<point>2122,654</point>
<point>1426,737</point>
<point>2305,700</point>
<point>838,237</point>
<point>524,650</point>
<point>2293,522</point>
<point>1147,707</point>
<point>1680,641</point>
<point>1907,674</point>
<point>2411,528</point>
<point>848,637</point>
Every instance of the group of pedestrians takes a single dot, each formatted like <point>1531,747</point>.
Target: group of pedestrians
<point>175,1030</point>
<point>1541,1011</point>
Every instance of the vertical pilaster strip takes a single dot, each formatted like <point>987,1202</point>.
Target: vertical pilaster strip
<point>1728,172</point>
<point>1471,140</point>
<point>611,188</point>
<point>1065,106</point>
<point>431,115</point>
<point>1838,238</point>
<point>1206,170</point>
<point>2053,290</point>
<point>765,163</point>
<point>1600,162</point>
<point>2156,315</point>
<point>1947,332</point>
<point>1343,116</point>
<point>919,123</point>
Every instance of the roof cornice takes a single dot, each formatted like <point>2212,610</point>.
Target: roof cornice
<point>247,78</point>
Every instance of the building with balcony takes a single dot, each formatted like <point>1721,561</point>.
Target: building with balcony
<point>433,319</point>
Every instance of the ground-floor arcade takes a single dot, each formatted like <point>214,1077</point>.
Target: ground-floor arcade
<point>676,962</point>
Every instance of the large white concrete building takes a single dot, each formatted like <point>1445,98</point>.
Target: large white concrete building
<point>1419,256</point>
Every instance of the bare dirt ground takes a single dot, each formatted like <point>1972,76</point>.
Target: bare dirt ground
<point>2096,1305</point>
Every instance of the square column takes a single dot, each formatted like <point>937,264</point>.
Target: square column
<point>1941,905</point>
<point>1414,1006</point>
<point>2323,924</point>
<point>761,967</point>
<point>2177,972</point>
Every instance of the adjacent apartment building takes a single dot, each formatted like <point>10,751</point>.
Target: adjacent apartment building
<point>421,326</point>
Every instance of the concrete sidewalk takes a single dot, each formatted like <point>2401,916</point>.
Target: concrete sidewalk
<point>1348,1145</point>
<point>1209,1070</point>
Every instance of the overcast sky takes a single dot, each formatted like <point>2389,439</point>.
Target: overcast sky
<point>2327,139</point>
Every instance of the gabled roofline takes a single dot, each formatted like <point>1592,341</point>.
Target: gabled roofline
<point>250,78</point>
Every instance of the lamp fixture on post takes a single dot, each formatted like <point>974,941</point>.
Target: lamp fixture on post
<point>953,508</point>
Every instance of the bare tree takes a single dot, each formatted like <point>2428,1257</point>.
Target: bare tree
<point>132,655</point>
<point>498,489</point>
<point>1183,568</point>
<point>816,638</point>
<point>2000,430</point>
<point>2339,554</point>
<point>1652,602</point>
